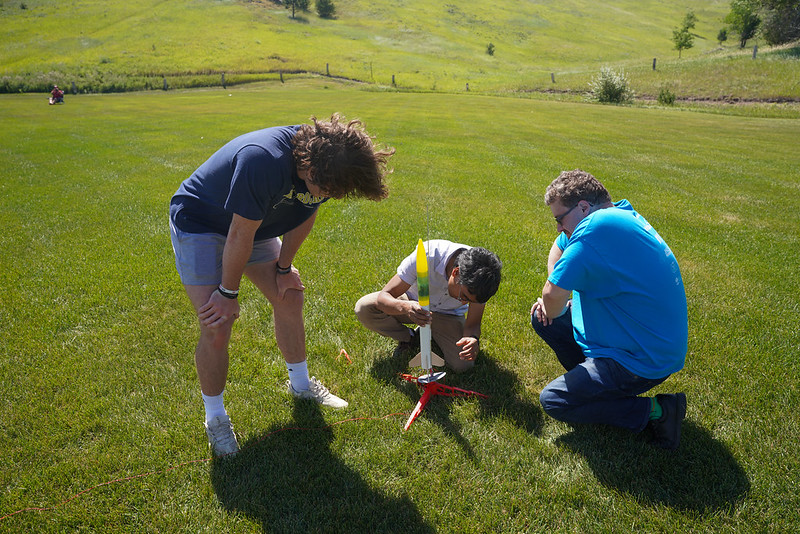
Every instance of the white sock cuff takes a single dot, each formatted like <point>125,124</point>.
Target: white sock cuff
<point>214,405</point>
<point>298,375</point>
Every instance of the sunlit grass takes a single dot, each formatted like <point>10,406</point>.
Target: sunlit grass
<point>547,50</point>
<point>428,46</point>
<point>97,381</point>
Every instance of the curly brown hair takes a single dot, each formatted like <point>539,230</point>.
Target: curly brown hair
<point>573,186</point>
<point>342,158</point>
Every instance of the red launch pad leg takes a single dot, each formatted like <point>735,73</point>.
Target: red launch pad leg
<point>435,388</point>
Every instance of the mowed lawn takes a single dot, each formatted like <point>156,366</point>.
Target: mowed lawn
<point>100,410</point>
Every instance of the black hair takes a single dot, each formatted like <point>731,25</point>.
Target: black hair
<point>479,270</point>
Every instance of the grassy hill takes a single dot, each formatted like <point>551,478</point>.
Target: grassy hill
<point>420,45</point>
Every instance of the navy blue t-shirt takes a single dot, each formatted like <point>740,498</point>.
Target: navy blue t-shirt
<point>254,176</point>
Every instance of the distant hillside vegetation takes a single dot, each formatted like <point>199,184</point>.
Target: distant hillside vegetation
<point>116,45</point>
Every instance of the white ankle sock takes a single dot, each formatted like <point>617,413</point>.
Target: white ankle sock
<point>214,406</point>
<point>298,375</point>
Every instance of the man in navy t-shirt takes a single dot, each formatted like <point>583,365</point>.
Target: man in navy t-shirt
<point>227,220</point>
<point>625,329</point>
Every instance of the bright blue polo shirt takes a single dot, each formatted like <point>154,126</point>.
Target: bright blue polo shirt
<point>629,302</point>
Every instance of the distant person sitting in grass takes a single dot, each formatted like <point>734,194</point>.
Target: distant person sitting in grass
<point>625,329</point>
<point>56,96</point>
<point>461,280</point>
<point>225,221</point>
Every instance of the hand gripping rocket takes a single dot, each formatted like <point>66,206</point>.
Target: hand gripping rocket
<point>425,359</point>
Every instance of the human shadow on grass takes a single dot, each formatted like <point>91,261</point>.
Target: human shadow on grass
<point>501,385</point>
<point>289,480</point>
<point>701,475</point>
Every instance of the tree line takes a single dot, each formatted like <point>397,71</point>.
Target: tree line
<point>326,9</point>
<point>777,21</point>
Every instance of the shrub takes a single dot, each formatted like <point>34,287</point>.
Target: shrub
<point>610,87</point>
<point>490,49</point>
<point>781,24</point>
<point>326,9</point>
<point>666,97</point>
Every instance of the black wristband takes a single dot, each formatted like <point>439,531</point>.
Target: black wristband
<point>227,293</point>
<point>283,270</point>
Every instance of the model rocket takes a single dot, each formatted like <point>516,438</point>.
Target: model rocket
<point>424,301</point>
<point>425,358</point>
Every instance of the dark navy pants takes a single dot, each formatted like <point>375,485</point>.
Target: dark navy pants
<point>593,390</point>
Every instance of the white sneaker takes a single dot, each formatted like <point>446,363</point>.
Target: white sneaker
<point>221,437</point>
<point>317,392</point>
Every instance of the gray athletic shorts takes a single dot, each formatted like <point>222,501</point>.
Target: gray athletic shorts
<point>198,257</point>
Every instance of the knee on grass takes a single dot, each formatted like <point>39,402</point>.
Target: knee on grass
<point>553,405</point>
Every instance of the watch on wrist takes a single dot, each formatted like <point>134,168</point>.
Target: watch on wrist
<point>228,293</point>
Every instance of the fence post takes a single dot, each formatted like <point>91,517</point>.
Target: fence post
<point>327,69</point>
<point>223,81</point>
<point>553,77</point>
<point>74,90</point>
<point>165,83</point>
<point>654,63</point>
<point>281,73</point>
<point>467,86</point>
<point>392,79</point>
<point>755,51</point>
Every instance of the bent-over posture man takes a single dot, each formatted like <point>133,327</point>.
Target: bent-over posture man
<point>625,329</point>
<point>225,221</point>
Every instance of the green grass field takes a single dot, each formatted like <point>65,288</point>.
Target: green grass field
<point>405,38</point>
<point>110,45</point>
<point>100,415</point>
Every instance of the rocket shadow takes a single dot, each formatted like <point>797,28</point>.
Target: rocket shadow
<point>289,480</point>
<point>502,386</point>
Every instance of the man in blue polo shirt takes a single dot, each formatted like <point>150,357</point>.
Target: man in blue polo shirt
<point>226,221</point>
<point>625,329</point>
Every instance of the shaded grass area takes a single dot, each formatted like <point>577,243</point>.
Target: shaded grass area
<point>96,375</point>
